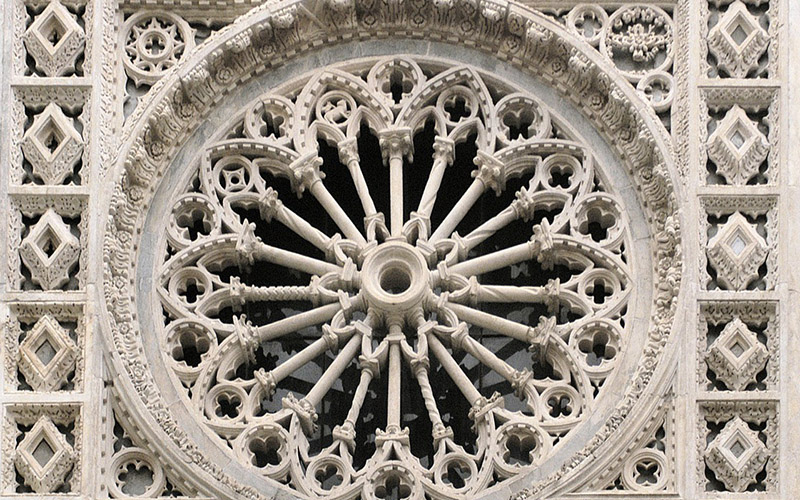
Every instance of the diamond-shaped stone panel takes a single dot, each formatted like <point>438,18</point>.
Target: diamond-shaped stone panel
<point>736,455</point>
<point>736,252</point>
<point>55,40</point>
<point>52,145</point>
<point>738,41</point>
<point>736,356</point>
<point>47,355</point>
<point>50,251</point>
<point>737,147</point>
<point>44,457</point>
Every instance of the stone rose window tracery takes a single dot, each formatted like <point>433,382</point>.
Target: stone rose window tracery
<point>395,277</point>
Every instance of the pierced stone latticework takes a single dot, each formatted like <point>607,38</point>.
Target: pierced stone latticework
<point>55,40</point>
<point>301,169</point>
<point>738,346</point>
<point>740,245</point>
<point>740,38</point>
<point>47,355</point>
<point>44,346</point>
<point>130,470</point>
<point>41,449</point>
<point>154,42</point>
<point>737,147</point>
<point>749,157</point>
<point>638,39</point>
<point>738,442</point>
<point>51,147</point>
<point>415,293</point>
<point>49,234</point>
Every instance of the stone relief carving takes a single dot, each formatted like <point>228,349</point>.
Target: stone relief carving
<point>755,366</point>
<point>752,113</point>
<point>41,446</point>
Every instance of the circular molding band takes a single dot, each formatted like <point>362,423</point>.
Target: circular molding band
<point>277,32</point>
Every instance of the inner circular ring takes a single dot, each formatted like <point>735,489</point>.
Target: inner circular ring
<point>396,279</point>
<point>394,276</point>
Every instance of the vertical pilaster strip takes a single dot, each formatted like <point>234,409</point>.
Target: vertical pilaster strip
<point>790,249</point>
<point>731,86</point>
<point>685,133</point>
<point>104,107</point>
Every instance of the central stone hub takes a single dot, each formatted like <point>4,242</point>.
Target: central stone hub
<point>394,277</point>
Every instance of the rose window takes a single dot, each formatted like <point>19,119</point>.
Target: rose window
<point>392,278</point>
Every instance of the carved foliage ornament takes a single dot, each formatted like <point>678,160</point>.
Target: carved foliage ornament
<point>256,39</point>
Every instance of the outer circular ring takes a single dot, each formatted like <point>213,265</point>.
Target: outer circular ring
<point>180,100</point>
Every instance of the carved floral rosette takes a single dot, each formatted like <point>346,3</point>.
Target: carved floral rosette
<point>274,33</point>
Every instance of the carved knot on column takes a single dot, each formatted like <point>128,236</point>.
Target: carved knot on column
<point>541,243</point>
<point>444,150</point>
<point>331,337</point>
<point>304,410</point>
<point>459,335</point>
<point>237,293</point>
<point>539,337</point>
<point>375,225</point>
<point>306,173</point>
<point>524,205</point>
<point>396,143</point>
<point>490,171</point>
<point>552,292</point>
<point>269,204</point>
<point>348,151</point>
<point>247,244</point>
<point>266,380</point>
<point>247,336</point>
<point>519,382</point>
<point>369,363</point>
<point>483,406</point>
<point>393,432</point>
<point>345,433</point>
